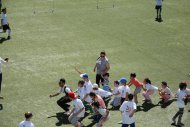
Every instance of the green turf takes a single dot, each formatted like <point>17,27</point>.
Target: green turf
<point>46,46</point>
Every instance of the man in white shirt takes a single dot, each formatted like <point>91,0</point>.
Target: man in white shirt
<point>78,110</point>
<point>158,8</point>
<point>128,109</point>
<point>5,23</point>
<point>27,122</point>
<point>2,61</point>
<point>62,102</point>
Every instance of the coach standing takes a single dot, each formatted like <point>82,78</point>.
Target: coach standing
<point>102,66</point>
<point>2,61</point>
<point>62,102</point>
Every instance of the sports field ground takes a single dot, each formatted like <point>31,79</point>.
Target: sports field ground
<point>51,37</point>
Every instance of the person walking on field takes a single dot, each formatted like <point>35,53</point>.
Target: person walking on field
<point>2,61</point>
<point>5,23</point>
<point>27,122</point>
<point>102,66</point>
<point>62,102</point>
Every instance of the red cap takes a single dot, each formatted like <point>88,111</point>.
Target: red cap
<point>72,95</point>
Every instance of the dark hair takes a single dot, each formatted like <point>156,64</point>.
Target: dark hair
<point>164,83</point>
<point>147,80</point>
<point>133,75</point>
<point>182,85</point>
<point>81,82</point>
<point>103,52</point>
<point>96,104</point>
<point>106,74</point>
<point>92,94</point>
<point>130,97</point>
<point>28,115</point>
<point>3,9</point>
<point>116,82</point>
<point>62,80</point>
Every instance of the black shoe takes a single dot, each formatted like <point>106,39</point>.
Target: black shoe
<point>156,19</point>
<point>180,124</point>
<point>9,37</point>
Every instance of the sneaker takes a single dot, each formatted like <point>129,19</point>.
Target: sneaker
<point>180,124</point>
<point>156,19</point>
<point>9,37</point>
<point>173,121</point>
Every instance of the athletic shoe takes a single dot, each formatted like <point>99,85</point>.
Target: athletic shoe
<point>180,124</point>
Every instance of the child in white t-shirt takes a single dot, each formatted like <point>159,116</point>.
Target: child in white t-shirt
<point>165,92</point>
<point>103,112</point>
<point>149,89</point>
<point>181,95</point>
<point>128,109</point>
<point>117,99</point>
<point>124,89</point>
<point>78,110</point>
<point>80,89</point>
<point>27,122</point>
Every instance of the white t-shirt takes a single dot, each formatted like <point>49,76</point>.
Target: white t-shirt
<point>67,89</point>
<point>102,93</point>
<point>102,111</point>
<point>167,91</point>
<point>80,92</point>
<point>2,61</point>
<point>188,91</point>
<point>150,87</point>
<point>126,108</point>
<point>159,2</point>
<point>26,124</point>
<point>180,95</point>
<point>78,105</point>
<point>123,90</point>
<point>116,90</point>
<point>4,18</point>
<point>87,90</point>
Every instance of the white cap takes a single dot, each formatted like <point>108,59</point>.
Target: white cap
<point>95,85</point>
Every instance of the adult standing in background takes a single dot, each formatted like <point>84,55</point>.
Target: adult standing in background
<point>102,66</point>
<point>2,61</point>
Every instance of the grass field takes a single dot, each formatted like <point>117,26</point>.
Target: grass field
<point>46,46</point>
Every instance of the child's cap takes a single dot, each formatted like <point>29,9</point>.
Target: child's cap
<point>123,80</point>
<point>72,95</point>
<point>95,85</point>
<point>84,75</point>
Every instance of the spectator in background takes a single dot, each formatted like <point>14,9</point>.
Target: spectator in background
<point>158,8</point>
<point>5,23</point>
<point>62,102</point>
<point>2,61</point>
<point>27,122</point>
<point>102,66</point>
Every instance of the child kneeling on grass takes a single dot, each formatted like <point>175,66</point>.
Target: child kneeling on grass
<point>165,92</point>
<point>128,109</point>
<point>103,112</point>
<point>77,112</point>
<point>148,90</point>
<point>117,99</point>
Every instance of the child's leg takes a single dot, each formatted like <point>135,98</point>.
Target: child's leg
<point>124,125</point>
<point>181,110</point>
<point>176,115</point>
<point>160,10</point>
<point>132,125</point>
<point>137,90</point>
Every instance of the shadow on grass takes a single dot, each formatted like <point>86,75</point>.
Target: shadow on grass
<point>63,118</point>
<point>2,39</point>
<point>91,124</point>
<point>165,105</point>
<point>1,107</point>
<point>146,107</point>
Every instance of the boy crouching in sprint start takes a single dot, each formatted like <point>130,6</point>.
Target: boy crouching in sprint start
<point>5,23</point>
<point>77,112</point>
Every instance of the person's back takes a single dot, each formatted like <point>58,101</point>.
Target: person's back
<point>26,124</point>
